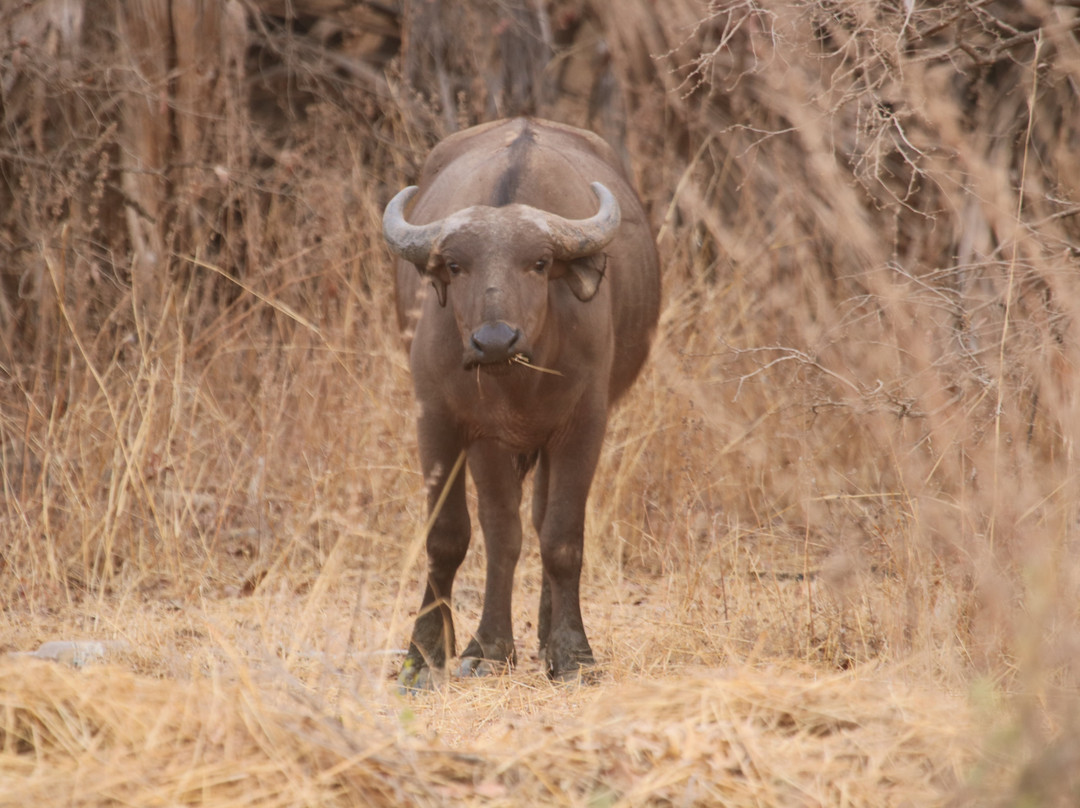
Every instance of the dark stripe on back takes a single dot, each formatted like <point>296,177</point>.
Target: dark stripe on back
<point>517,161</point>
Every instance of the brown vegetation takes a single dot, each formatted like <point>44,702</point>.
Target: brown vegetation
<point>833,551</point>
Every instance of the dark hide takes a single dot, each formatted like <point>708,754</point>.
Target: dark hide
<point>508,293</point>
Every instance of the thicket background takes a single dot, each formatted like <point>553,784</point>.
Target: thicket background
<point>852,450</point>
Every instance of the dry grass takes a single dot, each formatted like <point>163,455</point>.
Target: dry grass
<point>833,549</point>
<point>108,735</point>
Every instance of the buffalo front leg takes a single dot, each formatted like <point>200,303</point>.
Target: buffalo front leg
<point>568,466</point>
<point>447,541</point>
<point>497,476</point>
<point>539,508</point>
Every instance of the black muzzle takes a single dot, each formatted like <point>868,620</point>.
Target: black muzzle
<point>494,343</point>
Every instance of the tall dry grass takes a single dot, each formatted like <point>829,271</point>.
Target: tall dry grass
<point>850,458</point>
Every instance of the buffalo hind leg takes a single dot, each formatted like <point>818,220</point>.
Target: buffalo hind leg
<point>433,639</point>
<point>497,475</point>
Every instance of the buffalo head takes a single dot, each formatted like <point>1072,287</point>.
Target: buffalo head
<point>494,265</point>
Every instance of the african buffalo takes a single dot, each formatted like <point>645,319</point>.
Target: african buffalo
<point>546,296</point>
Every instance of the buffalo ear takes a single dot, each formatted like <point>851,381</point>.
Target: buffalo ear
<point>585,274</point>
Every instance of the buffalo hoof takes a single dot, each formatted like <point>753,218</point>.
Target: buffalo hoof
<point>491,657</point>
<point>417,676</point>
<point>581,675</point>
<point>477,666</point>
<point>569,659</point>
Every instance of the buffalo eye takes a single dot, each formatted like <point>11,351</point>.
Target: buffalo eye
<point>541,264</point>
<point>453,267</point>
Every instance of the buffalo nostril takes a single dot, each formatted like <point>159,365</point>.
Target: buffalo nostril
<point>495,341</point>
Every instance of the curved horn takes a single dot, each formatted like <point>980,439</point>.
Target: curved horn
<point>577,238</point>
<point>412,242</point>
